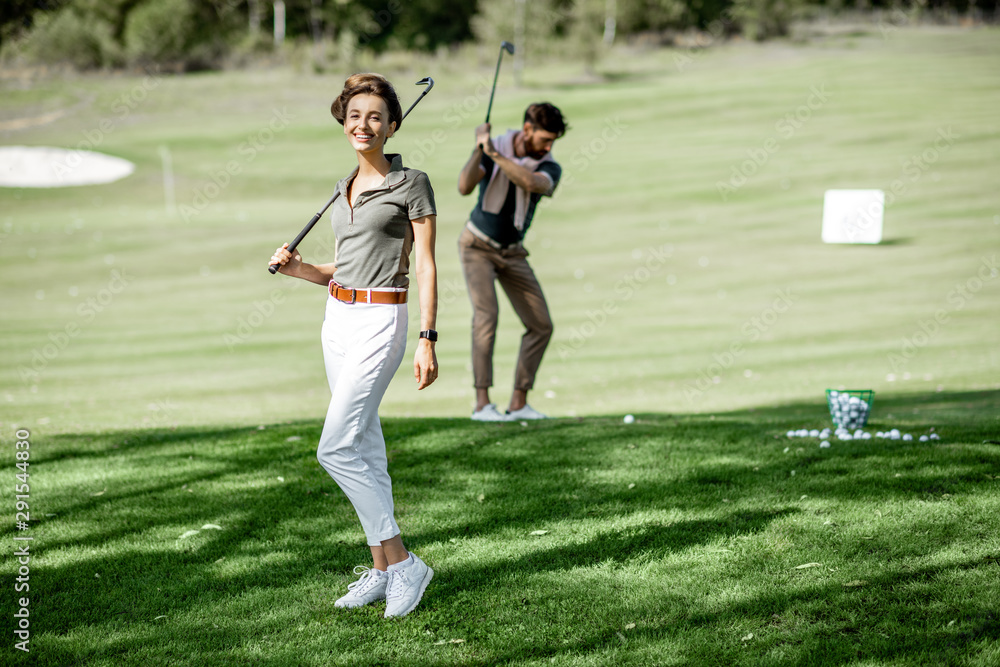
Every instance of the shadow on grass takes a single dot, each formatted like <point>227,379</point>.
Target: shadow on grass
<point>110,565</point>
<point>772,629</point>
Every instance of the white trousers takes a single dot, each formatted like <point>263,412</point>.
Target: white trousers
<point>363,345</point>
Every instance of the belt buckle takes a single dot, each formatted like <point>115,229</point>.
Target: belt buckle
<point>354,296</point>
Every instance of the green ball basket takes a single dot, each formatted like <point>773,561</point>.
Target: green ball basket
<point>850,408</point>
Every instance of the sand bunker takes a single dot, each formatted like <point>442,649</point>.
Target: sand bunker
<point>44,167</point>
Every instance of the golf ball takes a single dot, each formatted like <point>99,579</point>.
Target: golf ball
<point>824,444</point>
<point>629,419</point>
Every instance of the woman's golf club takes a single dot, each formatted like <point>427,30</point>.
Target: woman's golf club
<point>273,268</point>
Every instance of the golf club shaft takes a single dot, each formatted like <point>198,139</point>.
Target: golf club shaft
<point>509,48</point>
<point>496,75</point>
<point>273,268</point>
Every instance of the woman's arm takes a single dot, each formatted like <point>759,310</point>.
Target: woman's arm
<point>292,265</point>
<point>425,366</point>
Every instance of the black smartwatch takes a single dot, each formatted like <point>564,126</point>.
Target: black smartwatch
<point>430,335</point>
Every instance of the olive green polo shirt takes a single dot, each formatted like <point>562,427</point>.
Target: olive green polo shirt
<point>375,237</point>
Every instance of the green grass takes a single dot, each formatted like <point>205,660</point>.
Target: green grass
<point>674,540</point>
<point>664,300</point>
<point>643,159</point>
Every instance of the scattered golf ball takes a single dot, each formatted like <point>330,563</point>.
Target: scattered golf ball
<point>628,419</point>
<point>924,438</point>
<point>824,444</point>
<point>907,436</point>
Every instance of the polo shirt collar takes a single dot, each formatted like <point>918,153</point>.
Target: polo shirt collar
<point>395,176</point>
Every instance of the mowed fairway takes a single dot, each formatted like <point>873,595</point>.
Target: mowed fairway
<point>652,277</point>
<point>164,373</point>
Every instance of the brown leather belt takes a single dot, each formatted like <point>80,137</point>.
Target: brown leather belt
<point>349,295</point>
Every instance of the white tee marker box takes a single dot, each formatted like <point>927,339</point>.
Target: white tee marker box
<point>853,216</point>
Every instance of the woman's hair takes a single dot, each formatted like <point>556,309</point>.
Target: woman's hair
<point>547,117</point>
<point>370,84</point>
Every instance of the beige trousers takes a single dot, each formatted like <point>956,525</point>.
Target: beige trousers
<point>483,265</point>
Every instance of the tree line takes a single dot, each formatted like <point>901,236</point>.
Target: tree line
<point>200,34</point>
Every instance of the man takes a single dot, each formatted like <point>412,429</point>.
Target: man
<point>513,172</point>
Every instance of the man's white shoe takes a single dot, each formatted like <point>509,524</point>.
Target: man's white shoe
<point>527,412</point>
<point>489,413</point>
<point>370,587</point>
<point>406,586</point>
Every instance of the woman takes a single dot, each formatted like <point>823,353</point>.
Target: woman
<point>382,211</point>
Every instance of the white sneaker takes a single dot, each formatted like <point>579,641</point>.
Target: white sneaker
<point>370,587</point>
<point>489,413</point>
<point>527,412</point>
<point>406,586</point>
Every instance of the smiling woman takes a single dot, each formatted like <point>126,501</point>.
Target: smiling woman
<point>44,167</point>
<point>380,213</point>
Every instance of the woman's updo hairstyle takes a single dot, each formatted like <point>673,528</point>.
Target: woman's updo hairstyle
<point>370,84</point>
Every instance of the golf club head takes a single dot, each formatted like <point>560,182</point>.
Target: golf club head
<point>426,81</point>
<point>508,47</point>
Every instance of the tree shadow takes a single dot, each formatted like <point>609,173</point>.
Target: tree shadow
<point>294,538</point>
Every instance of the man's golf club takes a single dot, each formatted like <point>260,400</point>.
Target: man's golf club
<point>273,268</point>
<point>509,48</point>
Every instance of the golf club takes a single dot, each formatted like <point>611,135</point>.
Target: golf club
<point>273,268</point>
<point>509,48</point>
